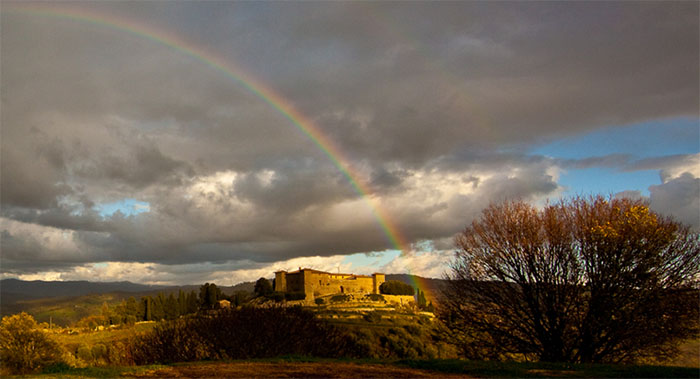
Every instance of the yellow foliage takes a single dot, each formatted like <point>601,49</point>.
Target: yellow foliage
<point>24,347</point>
<point>625,218</point>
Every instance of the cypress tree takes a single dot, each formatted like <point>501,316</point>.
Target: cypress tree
<point>170,309</point>
<point>181,303</point>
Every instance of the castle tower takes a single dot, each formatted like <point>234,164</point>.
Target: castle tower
<point>377,280</point>
<point>281,281</point>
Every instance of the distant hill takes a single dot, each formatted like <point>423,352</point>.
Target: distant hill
<point>67,302</point>
<point>41,289</point>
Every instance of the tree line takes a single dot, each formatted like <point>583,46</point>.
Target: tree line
<point>162,306</point>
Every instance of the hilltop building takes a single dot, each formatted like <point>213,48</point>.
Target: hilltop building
<point>316,283</point>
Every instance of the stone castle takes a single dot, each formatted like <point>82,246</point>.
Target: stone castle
<point>316,283</point>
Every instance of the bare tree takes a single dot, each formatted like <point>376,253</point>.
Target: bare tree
<point>583,280</point>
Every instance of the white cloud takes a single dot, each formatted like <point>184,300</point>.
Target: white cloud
<point>690,165</point>
<point>678,197</point>
<point>429,264</point>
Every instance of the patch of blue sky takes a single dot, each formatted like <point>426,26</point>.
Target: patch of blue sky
<point>643,140</point>
<point>127,207</point>
<point>603,181</point>
<point>373,259</point>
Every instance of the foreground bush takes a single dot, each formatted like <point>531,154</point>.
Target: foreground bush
<point>242,334</point>
<point>390,338</point>
<point>24,347</point>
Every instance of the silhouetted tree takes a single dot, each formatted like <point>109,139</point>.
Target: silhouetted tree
<point>239,298</point>
<point>147,302</point>
<point>181,303</point>
<point>422,301</point>
<point>192,303</point>
<point>132,307</point>
<point>262,287</point>
<point>584,280</point>
<point>158,311</point>
<point>105,311</point>
<point>209,295</point>
<point>171,307</point>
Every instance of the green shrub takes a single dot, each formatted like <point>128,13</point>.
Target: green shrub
<point>25,348</point>
<point>394,287</point>
<point>276,296</point>
<point>119,354</point>
<point>84,353</point>
<point>130,320</point>
<point>99,352</point>
<point>319,301</point>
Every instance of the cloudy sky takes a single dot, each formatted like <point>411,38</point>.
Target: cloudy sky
<point>148,141</point>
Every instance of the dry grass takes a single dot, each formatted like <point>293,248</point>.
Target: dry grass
<point>689,355</point>
<point>287,370</point>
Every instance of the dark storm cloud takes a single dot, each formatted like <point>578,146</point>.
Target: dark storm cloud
<point>629,163</point>
<point>433,104</point>
<point>292,187</point>
<point>665,162</point>
<point>562,69</point>
<point>140,167</point>
<point>384,179</point>
<point>72,218</point>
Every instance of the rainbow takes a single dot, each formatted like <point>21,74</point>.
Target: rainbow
<point>253,85</point>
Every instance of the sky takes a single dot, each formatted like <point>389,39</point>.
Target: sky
<point>190,142</point>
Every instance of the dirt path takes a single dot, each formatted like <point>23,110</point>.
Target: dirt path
<point>288,370</point>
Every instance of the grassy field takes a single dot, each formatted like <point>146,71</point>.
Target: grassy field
<point>64,311</point>
<point>106,336</point>
<point>689,356</point>
<point>301,367</point>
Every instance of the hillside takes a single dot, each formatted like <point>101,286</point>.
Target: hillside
<point>42,289</point>
<point>430,286</point>
<point>67,302</point>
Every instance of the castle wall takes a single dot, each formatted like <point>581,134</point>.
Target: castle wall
<point>321,284</point>
<point>281,281</point>
<point>295,282</point>
<point>317,283</point>
<point>377,280</point>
